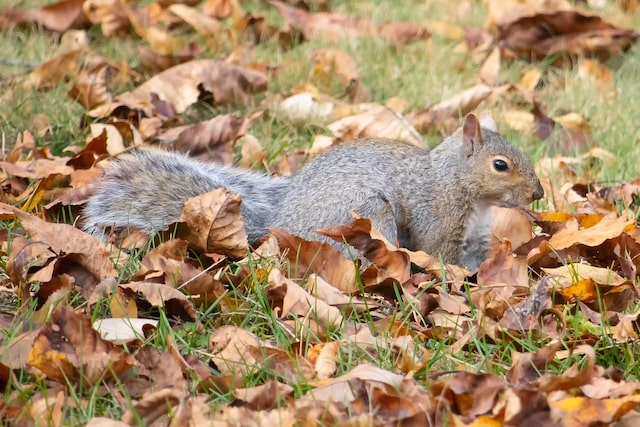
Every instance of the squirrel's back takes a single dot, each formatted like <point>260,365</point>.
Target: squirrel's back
<point>147,190</point>
<point>366,177</point>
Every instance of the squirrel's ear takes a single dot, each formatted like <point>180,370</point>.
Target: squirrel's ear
<point>471,135</point>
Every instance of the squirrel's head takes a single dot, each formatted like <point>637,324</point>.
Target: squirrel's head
<point>502,173</point>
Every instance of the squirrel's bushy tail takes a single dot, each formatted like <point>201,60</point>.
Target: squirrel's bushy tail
<point>147,190</point>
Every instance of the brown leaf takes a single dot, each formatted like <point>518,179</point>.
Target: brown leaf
<point>155,407</point>
<point>527,315</point>
<point>325,358</point>
<point>454,304</point>
<point>157,370</point>
<point>172,91</point>
<point>491,68</point>
<point>332,25</point>
<point>585,411</point>
<point>220,9</point>
<point>526,368</point>
<point>599,74</point>
<point>376,121</point>
<point>15,354</point>
<point>55,70</point>
<point>469,394</point>
<point>168,264</point>
<point>563,33</point>
<point>157,62</point>
<point>574,376</point>
<point>609,227</point>
<point>82,256</point>
<point>360,234</point>
<point>69,349</point>
<point>288,298</point>
<point>37,168</point>
<point>214,224</point>
<point>90,87</point>
<point>264,396</point>
<point>174,302</point>
<point>207,27</point>
<point>332,63</point>
<point>511,224</point>
<point>252,152</point>
<point>239,352</point>
<point>58,16</point>
<point>339,389</point>
<point>601,276</point>
<point>446,113</point>
<point>112,15</point>
<point>504,269</point>
<point>315,257</point>
<point>209,140</point>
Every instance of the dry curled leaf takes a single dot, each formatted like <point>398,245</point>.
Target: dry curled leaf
<point>68,348</point>
<point>319,258</point>
<point>236,351</point>
<point>391,262</point>
<point>170,92</point>
<point>58,16</point>
<point>375,121</point>
<point>446,113</point>
<point>332,63</point>
<point>82,256</point>
<point>566,32</point>
<point>174,302</point>
<point>210,140</point>
<point>332,25</point>
<point>214,224</point>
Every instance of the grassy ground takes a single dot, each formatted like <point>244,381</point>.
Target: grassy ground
<point>421,73</point>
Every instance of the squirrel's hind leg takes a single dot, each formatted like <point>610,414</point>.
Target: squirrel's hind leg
<point>380,212</point>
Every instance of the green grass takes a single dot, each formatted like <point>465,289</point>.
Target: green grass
<point>422,73</point>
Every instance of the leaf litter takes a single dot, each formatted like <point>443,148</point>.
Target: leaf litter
<point>551,296</point>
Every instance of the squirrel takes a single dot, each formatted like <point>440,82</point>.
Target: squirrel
<point>438,201</point>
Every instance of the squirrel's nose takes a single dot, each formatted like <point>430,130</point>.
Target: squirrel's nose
<point>539,193</point>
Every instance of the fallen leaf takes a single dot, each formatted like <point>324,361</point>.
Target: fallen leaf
<point>210,140</point>
<point>331,25</point>
<point>264,396</point>
<point>58,16</point>
<point>565,33</point>
<point>360,234</point>
<point>170,92</point>
<point>332,63</point>
<point>69,349</point>
<point>609,227</point>
<point>213,223</point>
<point>446,113</point>
<point>292,299</point>
<point>376,121</point>
<point>320,258</point>
<point>112,15</point>
<point>239,352</point>
<point>123,329</point>
<point>82,256</point>
<point>172,300</point>
<point>55,70</point>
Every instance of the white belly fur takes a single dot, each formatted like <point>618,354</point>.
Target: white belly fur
<point>476,236</point>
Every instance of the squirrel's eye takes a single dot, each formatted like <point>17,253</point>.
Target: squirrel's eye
<point>500,165</point>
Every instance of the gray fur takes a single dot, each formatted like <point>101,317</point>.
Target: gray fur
<point>419,198</point>
<point>147,190</point>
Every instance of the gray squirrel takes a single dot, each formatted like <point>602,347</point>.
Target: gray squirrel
<point>438,201</point>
